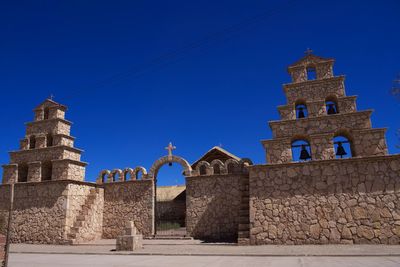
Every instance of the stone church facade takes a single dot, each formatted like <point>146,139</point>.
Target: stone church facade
<point>328,179</point>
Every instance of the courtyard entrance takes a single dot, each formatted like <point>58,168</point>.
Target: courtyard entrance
<point>169,195</point>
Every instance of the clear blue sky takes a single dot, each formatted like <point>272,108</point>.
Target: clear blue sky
<point>110,62</point>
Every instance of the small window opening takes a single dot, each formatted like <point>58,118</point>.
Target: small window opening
<point>311,73</point>
<point>32,142</point>
<point>22,173</point>
<point>217,169</point>
<point>46,114</point>
<point>301,150</point>
<point>49,140</point>
<point>203,170</point>
<point>47,170</point>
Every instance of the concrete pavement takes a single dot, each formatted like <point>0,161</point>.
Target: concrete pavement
<point>47,260</point>
<point>196,247</point>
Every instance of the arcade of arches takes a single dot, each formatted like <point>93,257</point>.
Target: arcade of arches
<point>328,179</point>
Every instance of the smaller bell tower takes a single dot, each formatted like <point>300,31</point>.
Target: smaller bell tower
<point>319,118</point>
<point>47,151</point>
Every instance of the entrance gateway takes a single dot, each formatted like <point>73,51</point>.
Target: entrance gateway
<point>169,205</point>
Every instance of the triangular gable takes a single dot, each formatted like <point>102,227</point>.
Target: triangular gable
<point>216,153</point>
<point>49,103</point>
<point>309,59</point>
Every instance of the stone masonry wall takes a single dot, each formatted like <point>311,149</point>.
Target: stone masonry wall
<point>45,212</point>
<point>212,207</point>
<point>347,201</point>
<point>39,211</point>
<point>2,249</point>
<point>127,201</point>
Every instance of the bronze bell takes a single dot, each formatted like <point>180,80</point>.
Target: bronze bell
<point>301,113</point>
<point>340,150</point>
<point>304,155</point>
<point>331,109</point>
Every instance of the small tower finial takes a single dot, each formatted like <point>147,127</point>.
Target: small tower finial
<point>51,97</point>
<point>308,52</point>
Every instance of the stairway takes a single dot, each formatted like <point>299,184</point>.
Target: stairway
<point>244,213</point>
<point>81,220</point>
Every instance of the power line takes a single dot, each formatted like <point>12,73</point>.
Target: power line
<point>173,56</point>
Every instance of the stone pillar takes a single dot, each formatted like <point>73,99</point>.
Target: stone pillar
<point>34,171</point>
<point>10,173</point>
<point>40,141</point>
<point>278,150</point>
<point>131,240</point>
<point>316,109</point>
<point>298,74</point>
<point>24,144</point>
<point>39,114</point>
<point>324,70</point>
<point>322,147</point>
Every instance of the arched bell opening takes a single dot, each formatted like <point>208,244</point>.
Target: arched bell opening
<point>301,150</point>
<point>331,105</point>
<point>301,109</point>
<point>343,147</point>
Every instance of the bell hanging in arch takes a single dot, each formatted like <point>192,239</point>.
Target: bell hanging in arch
<point>304,155</point>
<point>340,150</point>
<point>301,113</point>
<point>331,109</point>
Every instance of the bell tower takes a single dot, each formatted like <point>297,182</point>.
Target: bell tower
<point>47,151</point>
<point>320,119</point>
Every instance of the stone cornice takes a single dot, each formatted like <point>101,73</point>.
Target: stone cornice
<point>43,121</point>
<point>286,139</point>
<point>66,181</point>
<point>289,86</point>
<point>77,150</point>
<point>326,161</point>
<point>81,163</point>
<point>65,136</point>
<point>356,113</point>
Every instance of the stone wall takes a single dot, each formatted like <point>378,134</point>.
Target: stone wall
<point>39,211</point>
<point>212,207</point>
<point>347,201</point>
<point>44,212</point>
<point>128,201</point>
<point>2,248</point>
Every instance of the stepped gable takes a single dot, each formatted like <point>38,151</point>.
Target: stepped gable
<point>317,111</point>
<point>47,151</point>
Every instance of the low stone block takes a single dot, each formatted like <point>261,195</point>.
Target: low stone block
<point>131,241</point>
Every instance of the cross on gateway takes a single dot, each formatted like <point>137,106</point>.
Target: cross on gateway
<point>170,147</point>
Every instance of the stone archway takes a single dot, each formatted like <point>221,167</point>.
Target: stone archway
<point>153,172</point>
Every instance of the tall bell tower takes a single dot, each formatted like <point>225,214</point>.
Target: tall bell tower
<point>47,151</point>
<point>318,111</point>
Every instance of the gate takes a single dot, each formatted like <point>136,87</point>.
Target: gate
<point>171,211</point>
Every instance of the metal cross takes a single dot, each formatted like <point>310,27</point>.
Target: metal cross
<point>170,147</point>
<point>51,97</point>
<point>308,51</point>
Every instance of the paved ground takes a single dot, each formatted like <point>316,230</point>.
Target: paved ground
<point>195,247</point>
<point>195,253</point>
<point>62,260</point>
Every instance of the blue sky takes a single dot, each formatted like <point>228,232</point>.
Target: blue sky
<point>138,74</point>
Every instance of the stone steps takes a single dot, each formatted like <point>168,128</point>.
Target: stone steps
<point>244,213</point>
<point>82,216</point>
